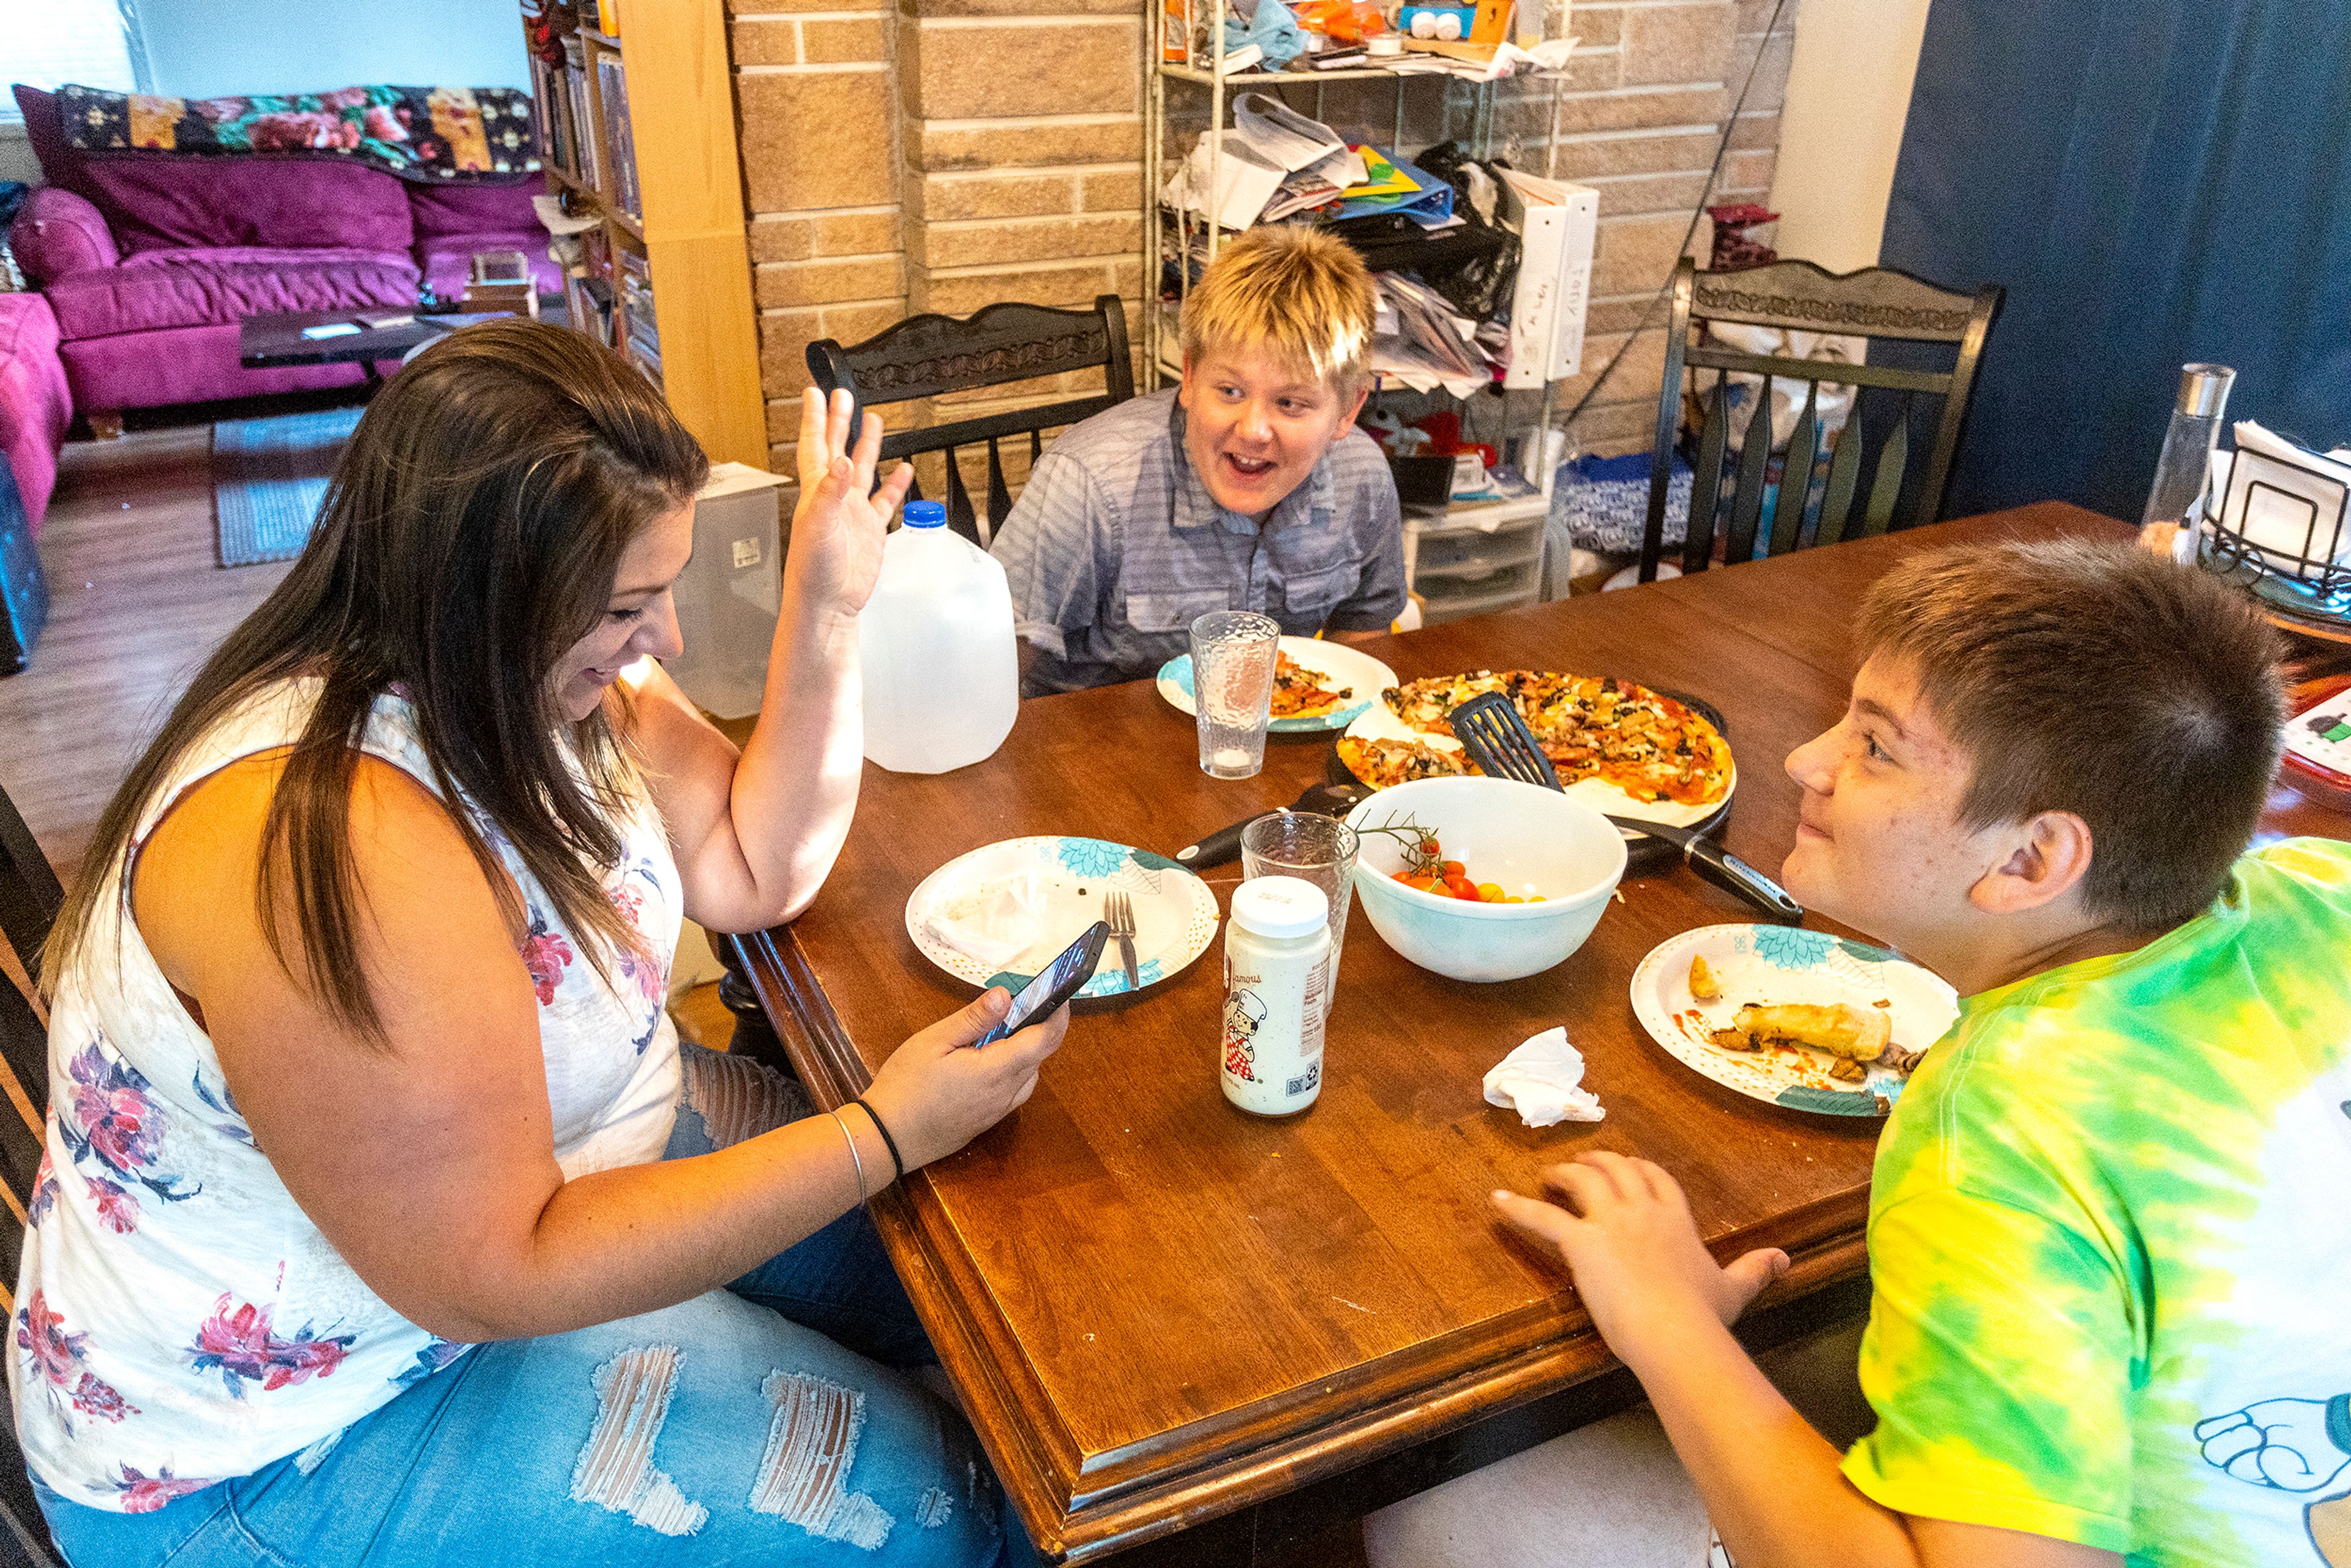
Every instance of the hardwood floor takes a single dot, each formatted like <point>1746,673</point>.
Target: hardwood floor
<point>137,601</point>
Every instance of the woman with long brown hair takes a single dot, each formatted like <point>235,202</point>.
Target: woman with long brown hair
<point>382,1218</point>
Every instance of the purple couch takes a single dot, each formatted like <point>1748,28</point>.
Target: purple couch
<point>150,260</point>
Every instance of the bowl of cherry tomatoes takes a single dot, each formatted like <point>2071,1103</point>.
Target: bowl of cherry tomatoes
<point>1483,879</point>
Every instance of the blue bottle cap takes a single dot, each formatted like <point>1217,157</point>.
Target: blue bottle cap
<point>924,514</point>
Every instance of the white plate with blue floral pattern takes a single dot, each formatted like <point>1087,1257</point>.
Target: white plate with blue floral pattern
<point>1779,963</point>
<point>1175,913</point>
<point>1362,676</point>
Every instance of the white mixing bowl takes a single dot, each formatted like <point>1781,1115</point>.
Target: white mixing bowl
<point>1528,838</point>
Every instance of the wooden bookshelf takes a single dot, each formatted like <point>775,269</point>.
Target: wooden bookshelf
<point>679,111</point>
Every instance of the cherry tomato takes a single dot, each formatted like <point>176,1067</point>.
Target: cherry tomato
<point>1491,892</point>
<point>1452,869</point>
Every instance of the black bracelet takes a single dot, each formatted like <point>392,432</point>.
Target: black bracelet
<point>896,1159</point>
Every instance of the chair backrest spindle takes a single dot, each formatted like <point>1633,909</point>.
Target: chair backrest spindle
<point>1706,483</point>
<point>1796,476</point>
<point>1746,498</point>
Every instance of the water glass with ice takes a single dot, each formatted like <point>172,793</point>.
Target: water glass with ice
<point>1233,652</point>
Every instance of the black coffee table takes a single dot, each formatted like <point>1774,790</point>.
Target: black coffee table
<point>276,340</point>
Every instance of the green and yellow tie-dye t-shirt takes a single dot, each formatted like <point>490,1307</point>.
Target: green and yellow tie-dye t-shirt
<point>2110,1244</point>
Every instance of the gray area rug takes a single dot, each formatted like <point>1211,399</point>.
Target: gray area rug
<point>270,476</point>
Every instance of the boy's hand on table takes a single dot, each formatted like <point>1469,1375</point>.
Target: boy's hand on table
<point>1627,1236</point>
<point>1769,1483</point>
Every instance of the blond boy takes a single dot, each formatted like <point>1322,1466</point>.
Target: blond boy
<point>1248,487</point>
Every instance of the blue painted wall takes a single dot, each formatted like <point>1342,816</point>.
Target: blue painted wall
<point>202,48</point>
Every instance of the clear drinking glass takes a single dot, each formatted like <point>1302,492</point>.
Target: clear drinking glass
<point>1321,850</point>
<point>1232,689</point>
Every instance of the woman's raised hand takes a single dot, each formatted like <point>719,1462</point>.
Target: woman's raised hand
<point>936,1093</point>
<point>837,528</point>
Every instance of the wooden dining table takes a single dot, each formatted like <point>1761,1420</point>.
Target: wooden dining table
<point>1185,1334</point>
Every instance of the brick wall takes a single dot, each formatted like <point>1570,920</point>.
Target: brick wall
<point>946,153</point>
<point>1647,93</point>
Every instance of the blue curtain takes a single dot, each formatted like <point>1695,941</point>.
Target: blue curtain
<point>2155,182</point>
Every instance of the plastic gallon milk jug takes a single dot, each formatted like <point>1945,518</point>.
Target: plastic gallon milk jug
<point>942,673</point>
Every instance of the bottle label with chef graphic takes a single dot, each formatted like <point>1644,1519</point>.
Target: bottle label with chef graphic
<point>1277,968</point>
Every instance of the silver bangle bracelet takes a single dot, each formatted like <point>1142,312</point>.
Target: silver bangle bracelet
<point>855,1157</point>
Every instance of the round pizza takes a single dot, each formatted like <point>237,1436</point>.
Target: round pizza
<point>1591,727</point>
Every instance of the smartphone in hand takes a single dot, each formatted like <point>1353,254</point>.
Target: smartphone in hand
<point>1062,979</point>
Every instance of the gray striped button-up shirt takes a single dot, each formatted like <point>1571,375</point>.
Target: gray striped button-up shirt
<point>1115,545</point>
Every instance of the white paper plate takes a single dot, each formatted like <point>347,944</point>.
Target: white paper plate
<point>1175,913</point>
<point>1774,964</point>
<point>1379,722</point>
<point>1338,664</point>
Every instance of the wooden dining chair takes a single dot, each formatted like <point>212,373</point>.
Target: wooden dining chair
<point>928,356</point>
<point>29,898</point>
<point>1879,303</point>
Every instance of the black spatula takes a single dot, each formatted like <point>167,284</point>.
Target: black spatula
<point>1495,734</point>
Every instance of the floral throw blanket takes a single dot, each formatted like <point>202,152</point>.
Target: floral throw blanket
<point>427,134</point>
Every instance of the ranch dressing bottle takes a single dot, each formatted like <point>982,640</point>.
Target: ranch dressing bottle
<point>1277,968</point>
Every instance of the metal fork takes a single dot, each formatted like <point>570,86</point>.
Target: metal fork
<point>1118,909</point>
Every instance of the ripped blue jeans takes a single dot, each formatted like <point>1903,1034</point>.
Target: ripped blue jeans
<point>770,1422</point>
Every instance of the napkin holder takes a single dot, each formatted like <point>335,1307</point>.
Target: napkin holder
<point>2285,526</point>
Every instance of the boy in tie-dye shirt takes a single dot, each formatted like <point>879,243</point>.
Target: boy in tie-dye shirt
<point>2110,1222</point>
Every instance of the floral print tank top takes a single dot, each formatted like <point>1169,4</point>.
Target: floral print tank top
<point>179,1319</point>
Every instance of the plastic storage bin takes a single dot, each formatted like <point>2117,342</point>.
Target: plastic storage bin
<point>731,592</point>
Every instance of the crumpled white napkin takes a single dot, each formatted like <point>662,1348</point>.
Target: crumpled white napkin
<point>1001,922</point>
<point>1542,1081</point>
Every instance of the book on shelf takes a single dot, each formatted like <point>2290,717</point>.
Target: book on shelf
<point>549,145</point>
<point>575,79</point>
<point>648,364</point>
<point>634,277</point>
<point>620,140</point>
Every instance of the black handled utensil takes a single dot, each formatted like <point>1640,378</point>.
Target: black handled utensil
<point>1225,843</point>
<point>1495,734</point>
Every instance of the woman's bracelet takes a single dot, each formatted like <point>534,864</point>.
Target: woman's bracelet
<point>855,1157</point>
<point>896,1158</point>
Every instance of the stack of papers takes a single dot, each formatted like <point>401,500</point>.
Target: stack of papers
<point>1243,182</point>
<point>1274,163</point>
<point>1422,342</point>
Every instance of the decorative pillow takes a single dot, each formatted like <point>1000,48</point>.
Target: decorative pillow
<point>60,164</point>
